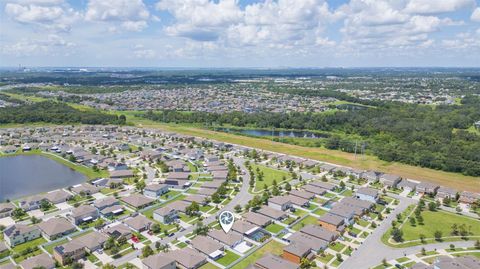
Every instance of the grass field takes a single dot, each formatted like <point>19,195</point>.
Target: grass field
<point>269,175</point>
<point>228,258</point>
<point>272,247</point>
<point>431,221</point>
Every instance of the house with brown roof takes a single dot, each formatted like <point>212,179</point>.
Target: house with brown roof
<point>332,222</point>
<point>69,252</point>
<point>257,219</point>
<point>296,251</point>
<point>272,213</point>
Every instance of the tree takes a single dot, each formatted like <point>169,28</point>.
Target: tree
<point>397,234</point>
<point>108,266</point>
<point>77,265</point>
<point>238,208</point>
<point>422,238</point>
<point>147,251</point>
<point>192,209</point>
<point>140,185</point>
<point>432,206</point>
<point>114,250</point>
<point>477,244</point>
<point>412,221</point>
<point>155,228</point>
<point>288,187</point>
<point>438,235</point>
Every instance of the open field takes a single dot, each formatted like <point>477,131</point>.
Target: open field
<point>431,219</point>
<point>269,175</point>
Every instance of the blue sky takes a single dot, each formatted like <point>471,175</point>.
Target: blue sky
<point>231,33</point>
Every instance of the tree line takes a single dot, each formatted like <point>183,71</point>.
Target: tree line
<point>57,113</point>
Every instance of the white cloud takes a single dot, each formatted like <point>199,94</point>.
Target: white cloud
<point>385,25</point>
<point>202,20</point>
<point>437,6</point>
<point>476,15</point>
<point>132,14</point>
<point>48,14</point>
<point>51,45</point>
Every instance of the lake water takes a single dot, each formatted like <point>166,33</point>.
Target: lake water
<point>280,133</point>
<point>25,175</point>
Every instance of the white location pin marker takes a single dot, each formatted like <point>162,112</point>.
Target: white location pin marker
<point>226,220</point>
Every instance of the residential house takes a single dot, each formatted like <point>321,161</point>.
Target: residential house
<point>6,210</point>
<point>269,261</point>
<point>444,192</point>
<point>427,188</point>
<point>159,261</point>
<point>138,201</point>
<point>390,180</point>
<point>332,222</point>
<point>280,203</point>
<point>187,258</point>
<point>272,213</point>
<point>257,219</point>
<point>58,196</point>
<point>56,227</point>
<point>155,190</point>
<point>213,249</point>
<point>165,214</point>
<point>367,194</point>
<point>39,261</point>
<point>296,251</point>
<point>118,231</point>
<point>20,233</point>
<point>138,223</point>
<point>231,239</point>
<point>84,213</point>
<point>69,252</point>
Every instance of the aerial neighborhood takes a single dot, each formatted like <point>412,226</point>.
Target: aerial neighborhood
<point>151,199</point>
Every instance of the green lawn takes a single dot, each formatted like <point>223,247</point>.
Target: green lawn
<point>304,222</point>
<point>29,244</point>
<point>337,247</point>
<point>325,258</point>
<point>208,266</point>
<point>272,247</point>
<point>432,221</point>
<point>228,258</point>
<point>274,228</point>
<point>50,247</point>
<point>269,175</point>
<point>319,211</point>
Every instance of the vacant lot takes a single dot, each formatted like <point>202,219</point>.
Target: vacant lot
<point>269,175</point>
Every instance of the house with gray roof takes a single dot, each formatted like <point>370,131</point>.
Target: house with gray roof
<point>20,233</point>
<point>206,245</point>
<point>367,194</point>
<point>56,227</point>
<point>155,190</point>
<point>165,214</point>
<point>257,219</point>
<point>84,213</point>
<point>138,201</point>
<point>138,223</point>
<point>272,213</point>
<point>187,258</point>
<point>231,239</point>
<point>159,261</point>
<point>269,261</point>
<point>42,260</point>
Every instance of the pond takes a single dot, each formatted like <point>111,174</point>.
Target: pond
<point>278,133</point>
<point>25,175</point>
